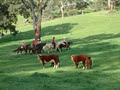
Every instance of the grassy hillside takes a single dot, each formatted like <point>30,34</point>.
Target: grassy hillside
<point>95,34</point>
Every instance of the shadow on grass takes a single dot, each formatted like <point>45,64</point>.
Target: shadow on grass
<point>65,80</point>
<point>50,30</point>
<point>97,38</point>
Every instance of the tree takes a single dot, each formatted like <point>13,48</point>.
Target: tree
<point>66,4</point>
<point>63,4</point>
<point>81,4</point>
<point>8,19</point>
<point>36,9</point>
<point>109,1</point>
<point>111,4</point>
<point>9,9</point>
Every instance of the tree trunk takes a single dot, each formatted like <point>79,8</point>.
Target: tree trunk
<point>109,5</point>
<point>112,5</point>
<point>37,20</point>
<point>62,9</point>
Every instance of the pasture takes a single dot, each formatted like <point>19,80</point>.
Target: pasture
<point>96,34</point>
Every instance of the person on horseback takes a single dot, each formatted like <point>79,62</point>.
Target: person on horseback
<point>53,42</point>
<point>64,41</point>
<point>23,44</point>
<point>38,41</point>
<point>33,43</point>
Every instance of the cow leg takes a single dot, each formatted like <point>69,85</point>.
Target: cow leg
<point>52,64</point>
<point>76,65</point>
<point>83,64</point>
<point>55,64</point>
<point>43,63</point>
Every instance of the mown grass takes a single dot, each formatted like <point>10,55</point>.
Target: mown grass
<point>95,34</point>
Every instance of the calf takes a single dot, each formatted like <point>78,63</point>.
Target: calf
<point>49,59</point>
<point>86,60</point>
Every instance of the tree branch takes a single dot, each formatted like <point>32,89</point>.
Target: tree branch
<point>33,13</point>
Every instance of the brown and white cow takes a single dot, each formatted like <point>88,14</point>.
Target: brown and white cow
<point>49,59</point>
<point>85,59</point>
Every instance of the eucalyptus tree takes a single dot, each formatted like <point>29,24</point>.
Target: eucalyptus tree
<point>9,9</point>
<point>35,8</point>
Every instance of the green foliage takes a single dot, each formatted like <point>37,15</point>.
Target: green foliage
<point>71,12</point>
<point>50,11</point>
<point>8,10</point>
<point>81,4</point>
<point>117,4</point>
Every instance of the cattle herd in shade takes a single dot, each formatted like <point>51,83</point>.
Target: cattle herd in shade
<point>54,59</point>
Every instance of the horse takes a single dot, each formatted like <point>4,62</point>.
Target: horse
<point>65,45</point>
<point>31,48</point>
<point>57,46</point>
<point>20,49</point>
<point>39,47</point>
<point>48,47</point>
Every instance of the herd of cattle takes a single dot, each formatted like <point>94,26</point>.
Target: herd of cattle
<point>85,59</point>
<point>54,59</point>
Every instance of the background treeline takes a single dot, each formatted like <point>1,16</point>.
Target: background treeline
<point>50,9</point>
<point>74,7</point>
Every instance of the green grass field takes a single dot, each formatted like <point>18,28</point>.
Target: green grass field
<point>96,34</point>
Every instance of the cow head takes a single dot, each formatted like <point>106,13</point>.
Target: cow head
<point>40,57</point>
<point>72,57</point>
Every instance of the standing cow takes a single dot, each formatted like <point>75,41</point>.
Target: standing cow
<point>85,59</point>
<point>49,59</point>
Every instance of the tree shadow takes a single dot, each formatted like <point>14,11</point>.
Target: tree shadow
<point>50,30</point>
<point>99,37</point>
<point>58,29</point>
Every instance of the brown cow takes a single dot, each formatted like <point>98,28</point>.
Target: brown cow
<point>49,59</point>
<point>86,60</point>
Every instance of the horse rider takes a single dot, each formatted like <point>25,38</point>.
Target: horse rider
<point>64,41</point>
<point>33,43</point>
<point>38,41</point>
<point>53,42</point>
<point>23,44</point>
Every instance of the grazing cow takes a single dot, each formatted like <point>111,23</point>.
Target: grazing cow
<point>49,59</point>
<point>86,60</point>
